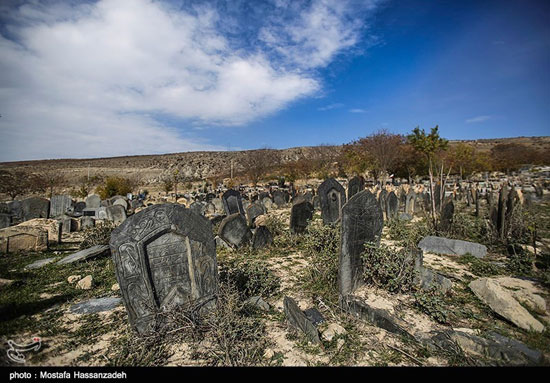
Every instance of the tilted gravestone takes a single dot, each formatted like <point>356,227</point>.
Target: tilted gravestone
<point>279,198</point>
<point>165,256</point>
<point>262,238</point>
<point>362,221</point>
<point>300,215</point>
<point>35,207</point>
<point>355,185</point>
<point>232,202</point>
<point>332,197</point>
<point>254,211</point>
<point>60,205</point>
<point>382,201</point>
<point>234,230</point>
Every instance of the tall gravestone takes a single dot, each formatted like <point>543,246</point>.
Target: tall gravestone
<point>165,256</point>
<point>392,206</point>
<point>232,202</point>
<point>35,207</point>
<point>447,216</point>
<point>362,221</point>
<point>332,197</point>
<point>355,185</point>
<point>409,202</point>
<point>60,205</point>
<point>300,215</point>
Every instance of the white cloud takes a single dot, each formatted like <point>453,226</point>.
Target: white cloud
<point>478,119</point>
<point>102,79</point>
<point>336,105</point>
<point>357,110</point>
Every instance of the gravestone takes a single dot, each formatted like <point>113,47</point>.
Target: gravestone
<point>232,202</point>
<point>35,207</point>
<point>15,209</point>
<point>210,208</point>
<point>362,221</point>
<point>5,220</point>
<point>442,245</point>
<point>279,198</point>
<point>447,216</point>
<point>332,197</point>
<point>198,207</point>
<point>300,215</point>
<point>218,204</point>
<point>355,185</point>
<point>234,230</point>
<point>254,211</point>
<point>409,202</point>
<point>122,202</point>
<point>14,239</point>
<point>60,205</point>
<point>392,206</point>
<point>116,214</point>
<point>86,223</point>
<point>52,226</point>
<point>268,204</point>
<point>165,256</point>
<point>382,201</point>
<point>79,207</point>
<point>93,201</point>
<point>262,238</point>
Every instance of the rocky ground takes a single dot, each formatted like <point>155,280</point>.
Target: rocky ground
<point>40,303</point>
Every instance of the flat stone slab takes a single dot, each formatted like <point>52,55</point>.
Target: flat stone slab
<point>83,255</point>
<point>441,245</point>
<point>96,305</point>
<point>40,263</point>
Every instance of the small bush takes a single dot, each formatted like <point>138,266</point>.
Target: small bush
<point>432,303</point>
<point>114,186</point>
<point>480,267</point>
<point>520,264</point>
<point>275,225</point>
<point>387,268</point>
<point>469,228</point>
<point>99,235</point>
<point>408,234</point>
<point>250,277</point>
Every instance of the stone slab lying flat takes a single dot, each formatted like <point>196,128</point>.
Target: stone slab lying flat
<point>83,255</point>
<point>441,245</point>
<point>40,263</point>
<point>96,305</point>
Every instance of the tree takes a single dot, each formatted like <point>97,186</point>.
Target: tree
<point>114,186</point>
<point>167,184</point>
<point>14,183</point>
<point>430,145</point>
<point>47,180</point>
<point>257,163</point>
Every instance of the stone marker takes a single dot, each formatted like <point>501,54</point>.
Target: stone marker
<point>232,202</point>
<point>5,220</point>
<point>262,238</point>
<point>60,205</point>
<point>355,185</point>
<point>300,215</point>
<point>254,211</point>
<point>279,198</point>
<point>332,197</point>
<point>40,263</point>
<point>297,319</point>
<point>116,214</point>
<point>362,221</point>
<point>447,216</point>
<point>234,230</point>
<point>441,245</point>
<point>165,256</point>
<point>35,207</point>
<point>14,239</point>
<point>52,226</point>
<point>87,223</point>
<point>98,305</point>
<point>84,255</point>
<point>93,201</point>
<point>392,206</point>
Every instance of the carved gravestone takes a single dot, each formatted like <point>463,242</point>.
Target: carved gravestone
<point>254,211</point>
<point>392,206</point>
<point>332,197</point>
<point>447,216</point>
<point>355,185</point>
<point>35,207</point>
<point>232,202</point>
<point>234,230</point>
<point>165,256</point>
<point>60,205</point>
<point>300,214</point>
<point>362,221</point>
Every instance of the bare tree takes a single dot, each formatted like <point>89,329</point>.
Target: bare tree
<point>14,183</point>
<point>257,163</point>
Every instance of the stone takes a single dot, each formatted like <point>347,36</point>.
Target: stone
<point>198,207</point>
<point>279,198</point>
<point>253,211</point>
<point>60,205</point>
<point>355,185</point>
<point>15,209</point>
<point>94,306</point>
<point>93,201</point>
<point>116,214</point>
<point>79,208</point>
<point>258,302</point>
<point>332,197</point>
<point>261,238</point>
<point>52,226</point>
<point>5,220</point>
<point>267,202</point>
<point>297,319</point>
<point>6,282</point>
<point>73,278</point>
<point>447,216</point>
<point>210,208</point>
<point>40,263</point>
<point>165,256</point>
<point>232,202</point>
<point>86,254</point>
<point>314,316</point>
<point>428,279</point>
<point>87,223</point>
<point>441,245</point>
<point>300,215</point>
<point>35,207</point>
<point>220,243</point>
<point>115,287</point>
<point>501,301</point>
<point>331,331</point>
<point>15,239</point>
<point>218,204</point>
<point>68,224</point>
<point>392,206</point>
<point>85,283</point>
<point>234,230</point>
<point>362,221</point>
<point>122,202</point>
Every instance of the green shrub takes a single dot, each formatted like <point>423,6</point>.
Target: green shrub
<point>408,234</point>
<point>99,235</point>
<point>520,264</point>
<point>250,277</point>
<point>469,228</point>
<point>432,302</point>
<point>480,267</point>
<point>388,268</point>
<point>114,186</point>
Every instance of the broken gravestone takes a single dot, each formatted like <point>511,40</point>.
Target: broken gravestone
<point>165,256</point>
<point>332,197</point>
<point>297,319</point>
<point>262,238</point>
<point>441,245</point>
<point>232,202</point>
<point>234,230</point>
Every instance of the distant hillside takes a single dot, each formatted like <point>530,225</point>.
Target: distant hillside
<point>201,165</point>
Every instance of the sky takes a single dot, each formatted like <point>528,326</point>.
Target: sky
<point>84,79</point>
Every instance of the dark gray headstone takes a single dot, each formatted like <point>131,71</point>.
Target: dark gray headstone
<point>355,185</point>
<point>362,221</point>
<point>232,202</point>
<point>332,197</point>
<point>5,220</point>
<point>165,256</point>
<point>392,206</point>
<point>253,211</point>
<point>35,207</point>
<point>234,230</point>
<point>447,216</point>
<point>300,215</point>
<point>297,319</point>
<point>279,198</point>
<point>79,207</point>
<point>262,238</point>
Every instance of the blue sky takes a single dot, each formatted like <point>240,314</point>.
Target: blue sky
<point>138,77</point>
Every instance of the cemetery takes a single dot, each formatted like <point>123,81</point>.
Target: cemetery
<point>326,267</point>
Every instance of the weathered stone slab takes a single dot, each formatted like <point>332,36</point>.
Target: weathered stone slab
<point>93,201</point>
<point>60,205</point>
<point>52,226</point>
<point>362,221</point>
<point>96,305</point>
<point>35,207</point>
<point>232,202</point>
<point>392,206</point>
<point>116,214</point>
<point>300,215</point>
<point>332,197</point>
<point>86,254</point>
<point>165,256</point>
<point>441,245</point>
<point>447,216</point>
<point>355,185</point>
<point>5,220</point>
<point>40,263</point>
<point>234,230</point>
<point>14,239</point>
<point>262,238</point>
<point>297,319</point>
